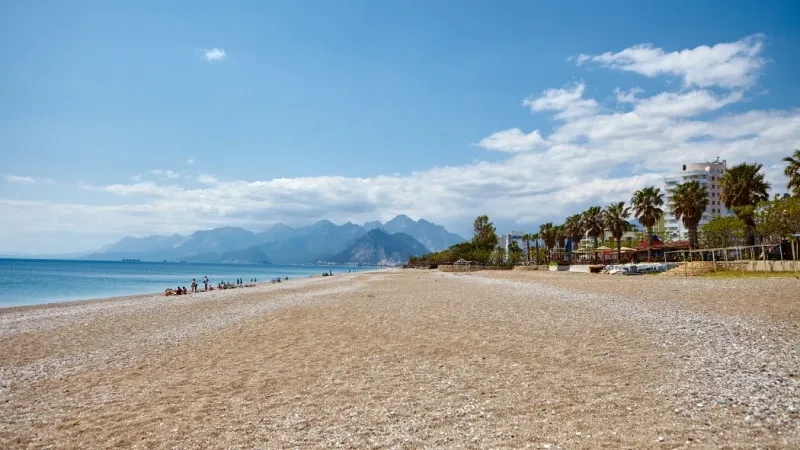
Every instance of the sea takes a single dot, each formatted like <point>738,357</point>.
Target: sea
<point>38,281</point>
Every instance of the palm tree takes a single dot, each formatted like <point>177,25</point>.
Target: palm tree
<point>689,200</point>
<point>561,236</point>
<point>547,233</point>
<point>742,188</point>
<point>535,238</point>
<point>792,172</point>
<point>615,218</point>
<point>592,223</point>
<point>572,226</point>
<point>646,204</point>
<point>527,237</point>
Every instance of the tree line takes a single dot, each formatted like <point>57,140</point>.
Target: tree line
<point>743,190</point>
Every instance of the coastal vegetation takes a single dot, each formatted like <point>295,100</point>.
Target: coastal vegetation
<point>615,218</point>
<point>689,201</point>
<point>743,190</point>
<point>646,205</point>
<point>792,172</point>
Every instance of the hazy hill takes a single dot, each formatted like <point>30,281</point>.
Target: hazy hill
<point>277,232</point>
<point>176,247</point>
<point>380,247</point>
<point>279,244</point>
<point>310,243</point>
<point>250,255</point>
<point>155,243</point>
<point>434,237</point>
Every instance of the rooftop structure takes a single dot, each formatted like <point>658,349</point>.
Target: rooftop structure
<point>706,173</point>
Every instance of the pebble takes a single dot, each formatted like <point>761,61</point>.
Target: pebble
<point>737,359</point>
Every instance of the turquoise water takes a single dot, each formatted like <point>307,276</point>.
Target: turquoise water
<point>32,281</point>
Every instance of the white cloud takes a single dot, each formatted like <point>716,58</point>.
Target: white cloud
<point>25,180</point>
<point>206,179</point>
<point>19,179</point>
<point>731,64</point>
<point>628,96</point>
<point>567,102</point>
<point>215,54</point>
<point>672,104</point>
<point>190,161</point>
<point>165,173</point>
<point>591,156</point>
<point>512,141</point>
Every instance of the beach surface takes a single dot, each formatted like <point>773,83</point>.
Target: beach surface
<point>410,359</point>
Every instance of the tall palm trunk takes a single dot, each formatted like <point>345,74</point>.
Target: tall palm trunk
<point>693,237</point>
<point>650,244</point>
<point>537,252</point>
<point>528,252</point>
<point>594,237</point>
<point>750,225</point>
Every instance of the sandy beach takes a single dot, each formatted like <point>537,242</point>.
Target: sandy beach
<point>410,359</point>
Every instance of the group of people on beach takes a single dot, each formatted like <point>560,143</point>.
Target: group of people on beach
<point>181,290</point>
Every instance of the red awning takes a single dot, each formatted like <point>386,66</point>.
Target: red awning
<point>644,244</point>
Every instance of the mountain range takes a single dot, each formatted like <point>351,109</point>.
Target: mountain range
<point>322,242</point>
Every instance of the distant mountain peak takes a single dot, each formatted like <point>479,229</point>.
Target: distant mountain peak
<point>372,225</point>
<point>402,218</point>
<point>380,247</point>
<point>434,237</point>
<point>281,243</point>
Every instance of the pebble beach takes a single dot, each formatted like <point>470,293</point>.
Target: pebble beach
<point>410,359</point>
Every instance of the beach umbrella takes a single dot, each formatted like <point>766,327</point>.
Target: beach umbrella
<point>627,249</point>
<point>603,247</point>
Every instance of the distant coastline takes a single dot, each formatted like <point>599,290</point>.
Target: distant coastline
<point>42,281</point>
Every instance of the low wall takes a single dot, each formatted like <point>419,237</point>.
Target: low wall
<point>583,268</point>
<point>470,268</point>
<point>753,266</point>
<point>770,266</point>
<point>533,267</point>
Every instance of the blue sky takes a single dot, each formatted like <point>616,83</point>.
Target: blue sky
<point>150,118</point>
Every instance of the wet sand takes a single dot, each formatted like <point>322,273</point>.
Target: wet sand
<point>412,358</point>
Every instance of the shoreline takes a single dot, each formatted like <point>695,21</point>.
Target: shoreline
<point>126,296</point>
<point>156,295</point>
<point>142,296</point>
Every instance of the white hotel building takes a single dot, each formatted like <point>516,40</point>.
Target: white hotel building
<point>708,174</point>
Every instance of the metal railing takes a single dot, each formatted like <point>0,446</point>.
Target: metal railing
<point>753,258</point>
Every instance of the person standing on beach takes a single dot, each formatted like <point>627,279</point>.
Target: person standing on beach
<point>205,282</point>
<point>194,286</point>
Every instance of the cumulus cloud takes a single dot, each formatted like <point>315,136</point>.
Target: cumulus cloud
<point>593,155</point>
<point>512,141</point>
<point>206,179</point>
<point>19,179</point>
<point>628,96</point>
<point>215,54</point>
<point>568,102</point>
<point>731,64</point>
<point>166,173</point>
<point>24,180</point>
